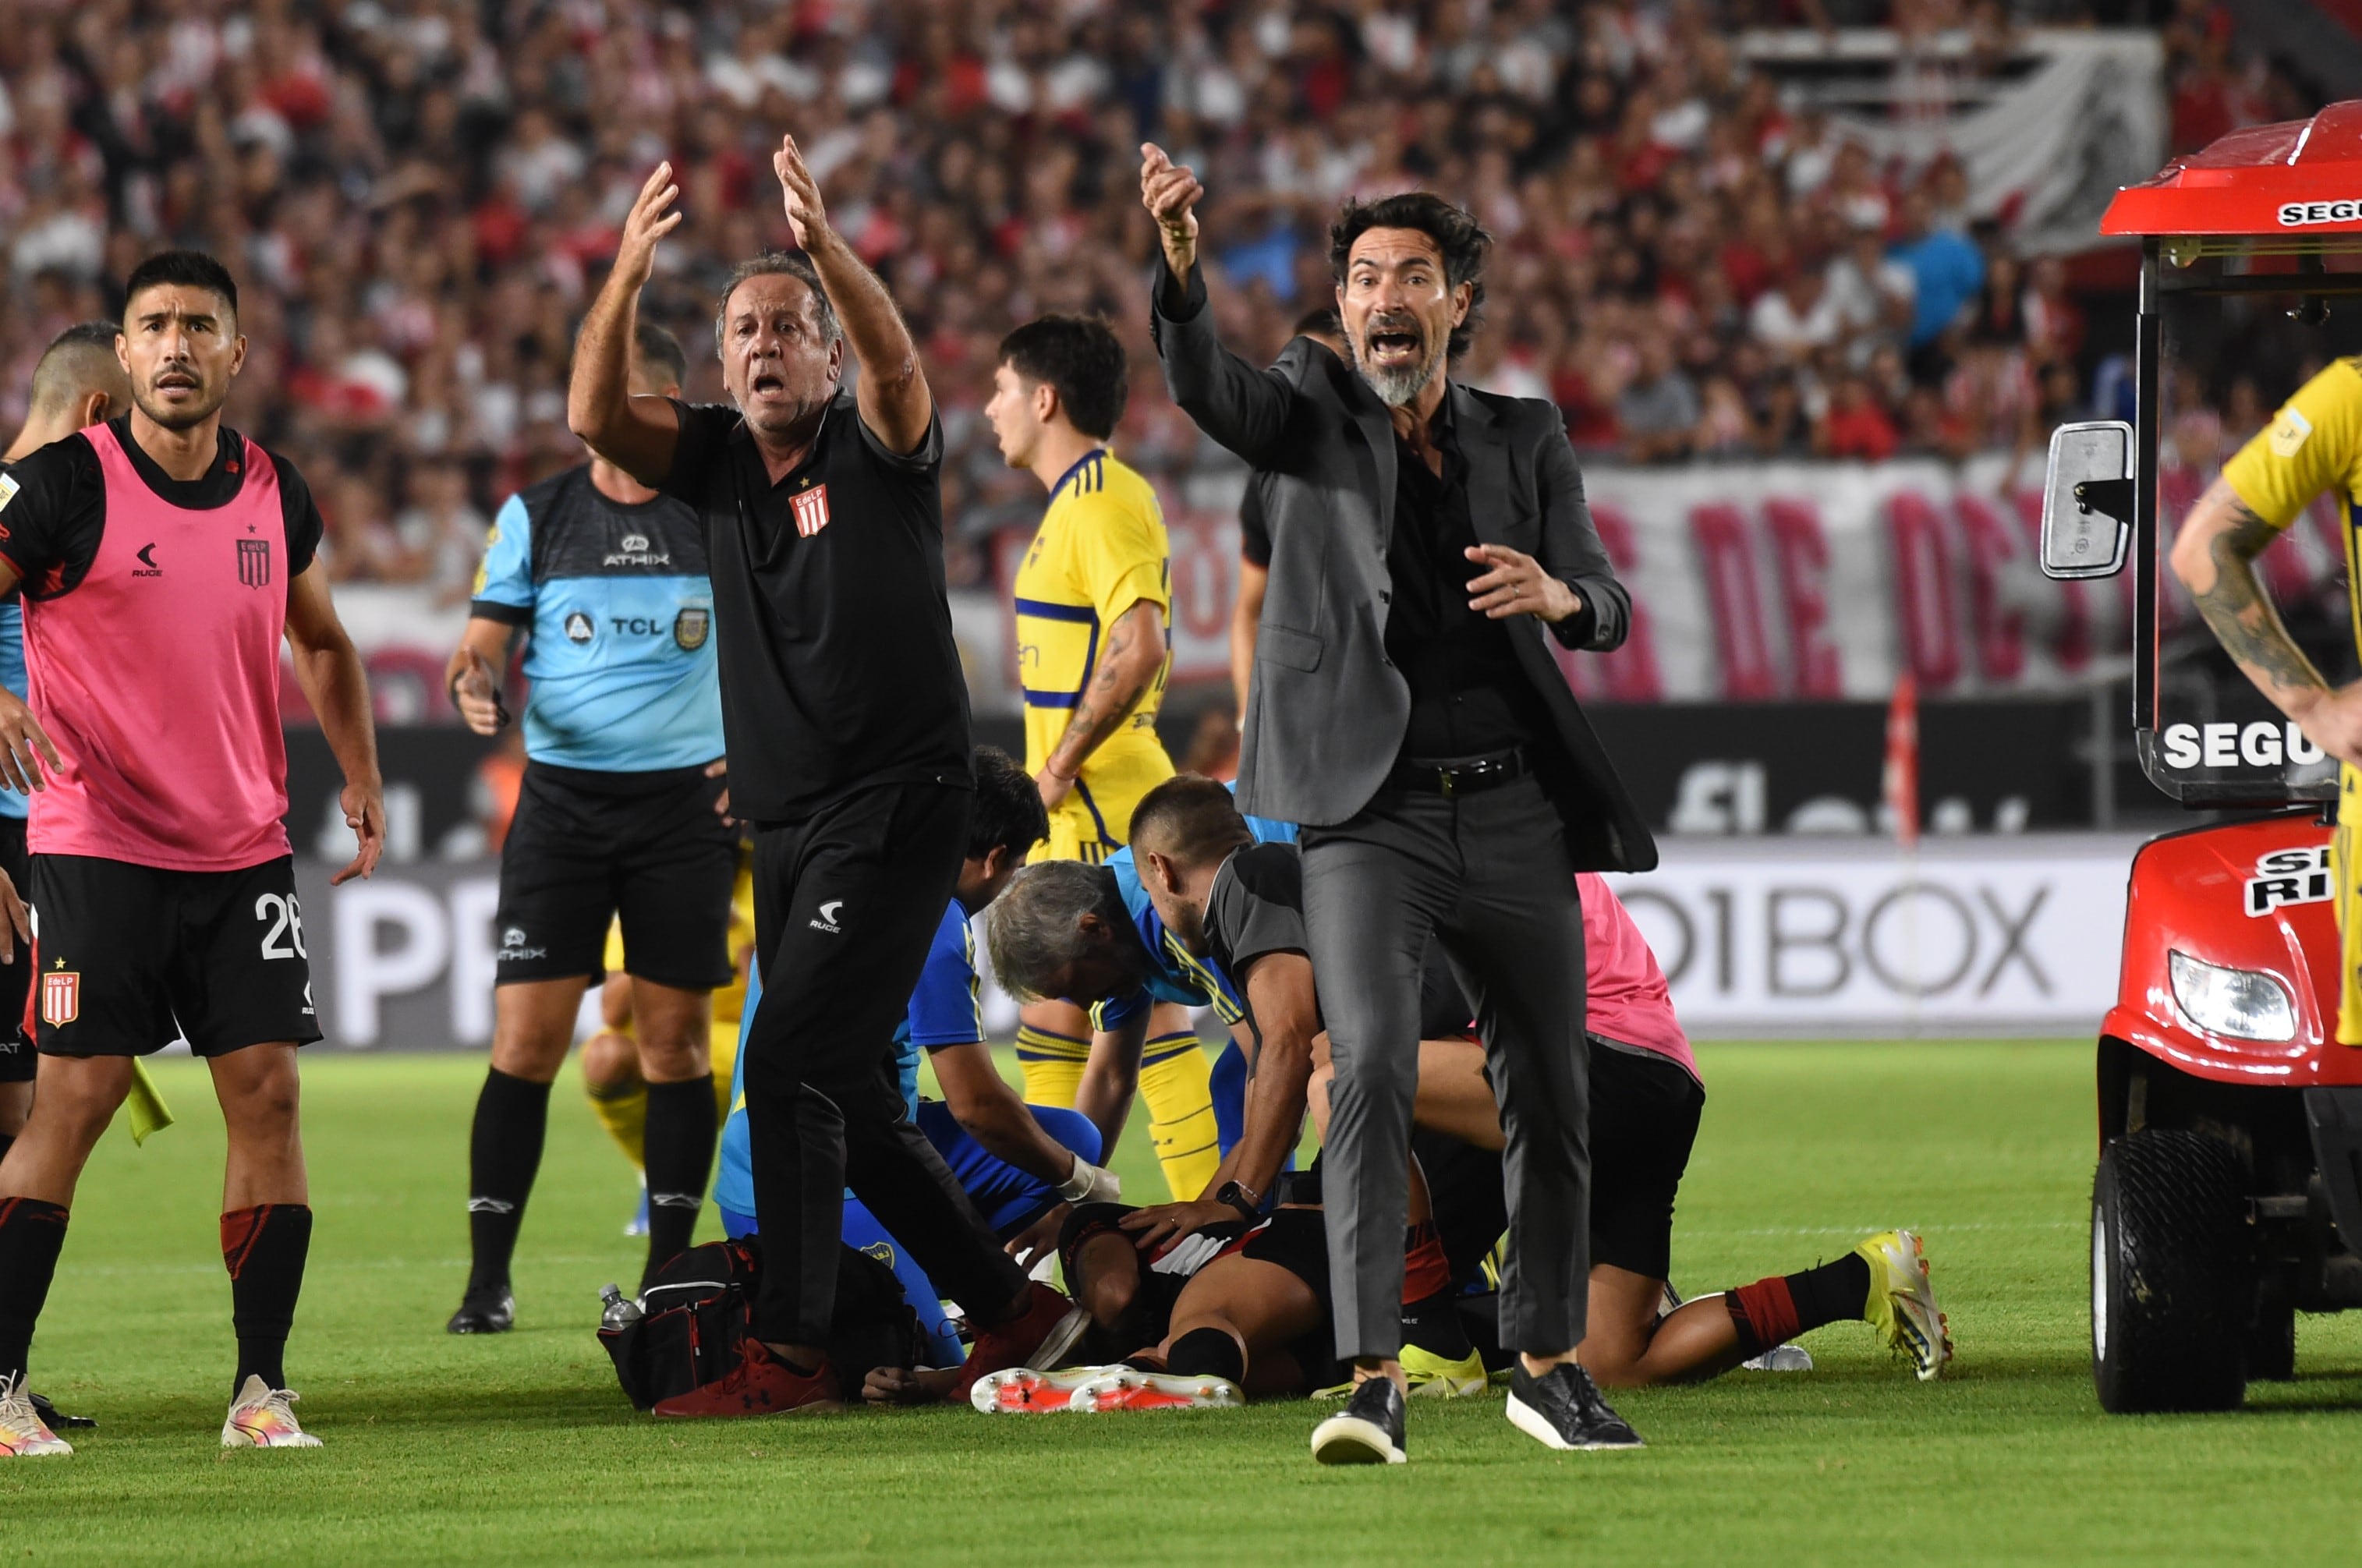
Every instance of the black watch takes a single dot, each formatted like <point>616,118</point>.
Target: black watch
<point>1245,1200</point>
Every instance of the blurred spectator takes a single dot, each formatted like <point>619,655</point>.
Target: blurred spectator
<point>1946,268</point>
<point>1798,317</point>
<point>1659,411</point>
<point>1854,426</point>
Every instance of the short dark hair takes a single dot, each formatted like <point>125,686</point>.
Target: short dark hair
<point>777,263</point>
<point>194,269</point>
<point>1081,358</point>
<point>658,349</point>
<point>1455,229</point>
<point>78,362</point>
<point>1191,818</point>
<point>1007,814</point>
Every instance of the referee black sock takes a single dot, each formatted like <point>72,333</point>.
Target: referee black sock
<point>31,1232</point>
<point>680,1156</point>
<point>503,1154</point>
<point>1207,1353</point>
<point>264,1248</point>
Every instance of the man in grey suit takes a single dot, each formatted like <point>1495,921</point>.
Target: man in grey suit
<point>1407,712</point>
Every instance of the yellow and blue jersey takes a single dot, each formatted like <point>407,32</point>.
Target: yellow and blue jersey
<point>1100,550</point>
<point>619,613</point>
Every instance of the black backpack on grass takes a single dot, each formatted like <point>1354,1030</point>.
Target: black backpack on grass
<point>698,1310</point>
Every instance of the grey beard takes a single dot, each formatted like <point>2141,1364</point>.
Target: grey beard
<point>1395,389</point>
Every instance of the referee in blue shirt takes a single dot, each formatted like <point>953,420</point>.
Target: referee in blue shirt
<point>621,813</point>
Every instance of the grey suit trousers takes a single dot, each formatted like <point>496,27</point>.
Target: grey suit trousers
<point>1488,875</point>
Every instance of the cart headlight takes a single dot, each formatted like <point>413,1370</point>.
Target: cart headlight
<point>2239,1003</point>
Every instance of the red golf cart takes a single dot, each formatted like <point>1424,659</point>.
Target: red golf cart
<point>2229,1191</point>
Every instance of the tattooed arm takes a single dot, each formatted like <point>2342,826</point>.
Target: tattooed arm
<point>1132,659</point>
<point>2215,556</point>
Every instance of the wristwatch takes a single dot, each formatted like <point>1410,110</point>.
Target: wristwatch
<point>1246,1200</point>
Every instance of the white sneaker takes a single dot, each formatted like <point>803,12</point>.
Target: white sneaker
<point>261,1417</point>
<point>23,1433</point>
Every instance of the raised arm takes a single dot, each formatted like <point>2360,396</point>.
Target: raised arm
<point>892,390</point>
<point>638,435</point>
<point>2214,555</point>
<point>328,668</point>
<point>1242,408</point>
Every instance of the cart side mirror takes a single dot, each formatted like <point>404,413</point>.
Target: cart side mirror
<point>2087,499</point>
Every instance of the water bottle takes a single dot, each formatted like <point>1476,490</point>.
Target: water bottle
<point>618,1310</point>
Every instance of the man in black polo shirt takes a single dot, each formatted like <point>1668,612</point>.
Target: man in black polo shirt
<point>845,715</point>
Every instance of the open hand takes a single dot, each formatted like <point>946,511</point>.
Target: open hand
<point>806,215</point>
<point>1171,191</point>
<point>24,746</point>
<point>650,219</point>
<point>365,814</point>
<point>1516,585</point>
<point>1154,1227</point>
<point>16,929</point>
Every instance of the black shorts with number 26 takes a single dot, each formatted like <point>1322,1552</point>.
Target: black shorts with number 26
<point>127,958</point>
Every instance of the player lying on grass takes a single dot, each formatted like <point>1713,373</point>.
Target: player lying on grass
<point>1645,1097</point>
<point>1016,1163</point>
<point>1200,874</point>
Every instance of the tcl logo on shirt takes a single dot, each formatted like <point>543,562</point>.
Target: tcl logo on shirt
<point>811,508</point>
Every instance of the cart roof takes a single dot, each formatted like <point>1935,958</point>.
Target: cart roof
<point>2294,179</point>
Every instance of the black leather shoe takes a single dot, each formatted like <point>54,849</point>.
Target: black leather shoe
<point>1368,1431</point>
<point>57,1421</point>
<point>1564,1410</point>
<point>491,1310</point>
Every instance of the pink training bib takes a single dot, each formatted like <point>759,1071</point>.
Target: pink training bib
<point>158,678</point>
<point>1626,998</point>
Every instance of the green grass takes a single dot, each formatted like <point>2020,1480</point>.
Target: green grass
<point>521,1448</point>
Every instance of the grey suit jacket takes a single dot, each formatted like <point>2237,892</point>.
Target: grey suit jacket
<point>1328,710</point>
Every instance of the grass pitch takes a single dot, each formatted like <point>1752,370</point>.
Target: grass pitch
<point>521,1449</point>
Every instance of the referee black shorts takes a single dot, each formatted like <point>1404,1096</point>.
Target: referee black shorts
<point>586,847</point>
<point>17,1060</point>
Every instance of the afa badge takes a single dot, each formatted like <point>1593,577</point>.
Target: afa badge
<point>692,627</point>
<point>60,996</point>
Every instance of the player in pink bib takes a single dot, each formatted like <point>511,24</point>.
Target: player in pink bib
<point>161,559</point>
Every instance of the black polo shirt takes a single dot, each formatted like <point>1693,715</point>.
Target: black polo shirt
<point>832,627</point>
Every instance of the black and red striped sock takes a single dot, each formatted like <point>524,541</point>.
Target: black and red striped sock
<point>1775,1311</point>
<point>31,1234</point>
<point>264,1248</point>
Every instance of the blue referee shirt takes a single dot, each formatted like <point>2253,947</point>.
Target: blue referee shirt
<point>620,618</point>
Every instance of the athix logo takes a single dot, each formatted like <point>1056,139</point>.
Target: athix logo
<point>636,550</point>
<point>827,920</point>
<point>810,507</point>
<point>512,948</point>
<point>147,566</point>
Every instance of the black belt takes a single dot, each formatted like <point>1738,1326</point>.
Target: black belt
<point>1471,776</point>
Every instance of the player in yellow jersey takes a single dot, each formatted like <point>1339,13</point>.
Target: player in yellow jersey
<point>612,1079</point>
<point>2313,446</point>
<point>1092,599</point>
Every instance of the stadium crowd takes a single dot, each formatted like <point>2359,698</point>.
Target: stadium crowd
<point>424,193</point>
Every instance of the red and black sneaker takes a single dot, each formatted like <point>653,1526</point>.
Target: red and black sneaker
<point>1012,1343</point>
<point>760,1385</point>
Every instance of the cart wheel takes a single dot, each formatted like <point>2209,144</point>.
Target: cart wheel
<point>2172,1280</point>
<point>2271,1338</point>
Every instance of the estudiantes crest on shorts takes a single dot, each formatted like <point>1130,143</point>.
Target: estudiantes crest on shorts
<point>60,996</point>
